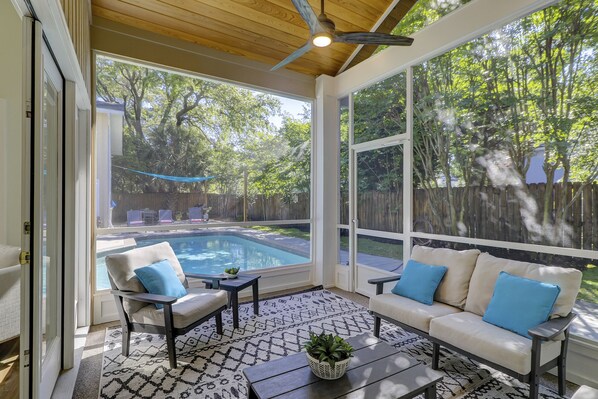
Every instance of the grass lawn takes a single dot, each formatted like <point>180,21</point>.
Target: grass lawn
<point>285,231</point>
<point>589,285</point>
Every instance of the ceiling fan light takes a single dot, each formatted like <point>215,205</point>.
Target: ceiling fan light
<point>322,39</point>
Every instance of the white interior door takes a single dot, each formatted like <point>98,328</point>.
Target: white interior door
<point>48,223</point>
<point>377,211</point>
<point>43,182</point>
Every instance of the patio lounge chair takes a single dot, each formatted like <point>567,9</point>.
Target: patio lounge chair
<point>137,308</point>
<point>164,216</point>
<point>196,214</point>
<point>135,218</point>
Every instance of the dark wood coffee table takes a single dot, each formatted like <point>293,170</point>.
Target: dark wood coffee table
<point>376,370</point>
<point>233,286</point>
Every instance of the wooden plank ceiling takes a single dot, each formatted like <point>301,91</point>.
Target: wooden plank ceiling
<point>261,30</point>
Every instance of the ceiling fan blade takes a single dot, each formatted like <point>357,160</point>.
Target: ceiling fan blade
<point>296,54</point>
<point>308,15</point>
<point>372,38</point>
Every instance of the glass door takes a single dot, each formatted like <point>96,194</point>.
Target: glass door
<point>44,187</point>
<point>377,223</point>
<point>378,139</point>
<point>48,214</point>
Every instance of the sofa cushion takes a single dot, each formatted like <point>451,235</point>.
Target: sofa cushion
<point>121,268</point>
<point>198,303</point>
<point>408,311</point>
<point>469,332</point>
<point>519,304</point>
<point>419,281</point>
<point>488,267</point>
<point>160,278</point>
<point>460,264</point>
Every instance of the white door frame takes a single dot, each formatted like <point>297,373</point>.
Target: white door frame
<point>38,376</point>
<point>359,271</point>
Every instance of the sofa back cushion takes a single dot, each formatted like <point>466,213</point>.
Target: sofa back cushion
<point>121,268</point>
<point>488,268</point>
<point>460,264</point>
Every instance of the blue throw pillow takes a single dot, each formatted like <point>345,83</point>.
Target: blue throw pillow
<point>160,278</point>
<point>419,282</point>
<point>519,304</point>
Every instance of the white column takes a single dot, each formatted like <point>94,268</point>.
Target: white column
<point>325,184</point>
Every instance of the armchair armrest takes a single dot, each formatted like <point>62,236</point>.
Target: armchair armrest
<point>384,279</point>
<point>146,297</point>
<point>550,329</point>
<point>380,282</point>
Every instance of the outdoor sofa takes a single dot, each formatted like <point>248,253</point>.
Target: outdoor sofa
<point>455,318</point>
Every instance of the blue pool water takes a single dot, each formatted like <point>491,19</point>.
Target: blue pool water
<point>212,254</point>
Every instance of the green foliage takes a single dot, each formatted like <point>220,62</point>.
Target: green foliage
<point>328,348</point>
<point>184,126</point>
<point>589,284</point>
<point>424,13</point>
<point>483,109</point>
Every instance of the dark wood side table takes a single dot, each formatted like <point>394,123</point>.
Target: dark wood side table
<point>233,286</point>
<point>376,370</point>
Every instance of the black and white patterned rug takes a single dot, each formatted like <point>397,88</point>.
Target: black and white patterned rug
<point>210,365</point>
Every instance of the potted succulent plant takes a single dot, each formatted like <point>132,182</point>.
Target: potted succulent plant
<point>231,272</point>
<point>328,355</point>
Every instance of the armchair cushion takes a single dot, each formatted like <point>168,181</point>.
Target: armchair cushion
<point>121,268</point>
<point>419,282</point>
<point>198,303</point>
<point>519,304</point>
<point>469,332</point>
<point>160,278</point>
<point>460,264</point>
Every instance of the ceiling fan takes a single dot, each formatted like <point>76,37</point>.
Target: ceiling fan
<point>323,32</point>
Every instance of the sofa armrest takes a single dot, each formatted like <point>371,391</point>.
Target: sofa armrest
<point>380,282</point>
<point>552,328</point>
<point>146,297</point>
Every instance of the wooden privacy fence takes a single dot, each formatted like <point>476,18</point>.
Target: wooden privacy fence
<point>513,214</point>
<point>223,207</point>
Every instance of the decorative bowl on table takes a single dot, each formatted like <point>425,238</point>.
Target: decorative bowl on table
<point>231,272</point>
<point>327,355</point>
<point>325,371</point>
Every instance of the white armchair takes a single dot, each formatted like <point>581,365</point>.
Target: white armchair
<point>136,307</point>
<point>10,292</point>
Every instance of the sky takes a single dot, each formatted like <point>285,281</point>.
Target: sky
<point>291,106</point>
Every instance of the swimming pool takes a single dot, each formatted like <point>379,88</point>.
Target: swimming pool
<point>211,254</point>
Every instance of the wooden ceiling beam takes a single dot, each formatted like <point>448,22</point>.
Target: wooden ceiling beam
<point>389,23</point>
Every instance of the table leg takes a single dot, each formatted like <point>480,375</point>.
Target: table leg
<point>250,392</point>
<point>430,392</point>
<point>235,298</point>
<point>256,302</point>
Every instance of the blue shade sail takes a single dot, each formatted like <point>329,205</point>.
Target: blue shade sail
<point>179,179</point>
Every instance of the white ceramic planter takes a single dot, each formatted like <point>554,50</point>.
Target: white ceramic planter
<point>323,369</point>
